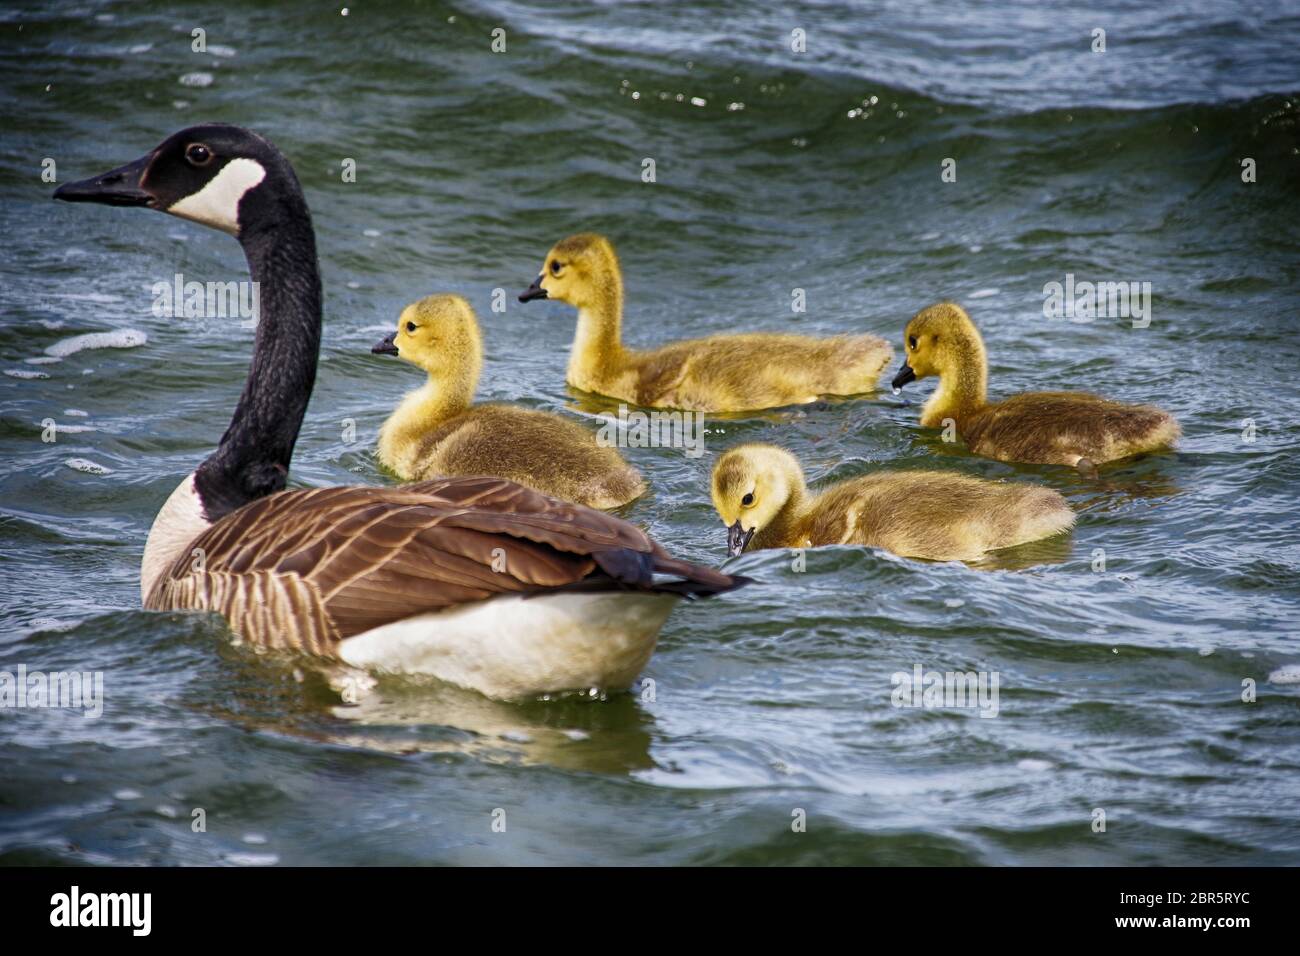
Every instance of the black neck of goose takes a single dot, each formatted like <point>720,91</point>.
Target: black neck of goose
<point>253,458</point>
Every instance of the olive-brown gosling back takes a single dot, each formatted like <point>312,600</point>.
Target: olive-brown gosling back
<point>1046,428</point>
<point>437,432</point>
<point>760,493</point>
<point>721,373</point>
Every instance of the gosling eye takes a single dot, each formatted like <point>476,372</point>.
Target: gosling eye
<point>747,500</point>
<point>555,267</point>
<point>197,154</point>
<point>410,327</point>
<point>911,342</point>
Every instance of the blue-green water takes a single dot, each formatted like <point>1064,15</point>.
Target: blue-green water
<point>1120,689</point>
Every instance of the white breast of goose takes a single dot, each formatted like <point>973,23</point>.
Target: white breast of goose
<point>519,646</point>
<point>179,522</point>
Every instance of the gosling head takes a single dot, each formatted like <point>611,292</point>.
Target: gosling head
<point>439,334</point>
<point>222,176</point>
<point>751,485</point>
<point>576,271</point>
<point>936,341</point>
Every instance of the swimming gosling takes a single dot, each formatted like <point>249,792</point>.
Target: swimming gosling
<point>1045,428</point>
<point>760,493</point>
<point>721,373</point>
<point>436,431</point>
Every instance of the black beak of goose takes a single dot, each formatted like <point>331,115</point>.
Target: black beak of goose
<point>385,345</point>
<point>905,375</point>
<point>534,291</point>
<point>117,187</point>
<point>738,539</point>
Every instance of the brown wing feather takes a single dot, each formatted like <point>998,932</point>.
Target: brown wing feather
<point>365,556</point>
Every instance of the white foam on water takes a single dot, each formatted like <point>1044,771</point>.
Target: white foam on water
<point>86,466</point>
<point>196,79</point>
<point>127,794</point>
<point>1286,674</point>
<point>76,413</point>
<point>74,429</point>
<point>52,324</point>
<point>101,297</point>
<point>25,373</point>
<point>43,360</point>
<point>117,339</point>
<point>253,859</point>
<point>254,839</point>
<point>1036,766</point>
<point>983,293</point>
<point>218,49</point>
<point>140,48</point>
<point>896,390</point>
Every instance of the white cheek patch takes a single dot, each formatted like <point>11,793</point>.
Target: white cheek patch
<point>217,203</point>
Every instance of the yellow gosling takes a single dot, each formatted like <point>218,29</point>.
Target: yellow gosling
<point>436,431</point>
<point>722,373</point>
<point>1046,428</point>
<point>760,493</point>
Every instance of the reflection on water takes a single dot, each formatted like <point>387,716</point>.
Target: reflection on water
<point>275,692</point>
<point>608,734</point>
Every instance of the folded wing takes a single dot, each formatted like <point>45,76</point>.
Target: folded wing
<point>306,569</point>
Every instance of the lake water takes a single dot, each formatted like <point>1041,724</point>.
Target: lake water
<point>1120,689</point>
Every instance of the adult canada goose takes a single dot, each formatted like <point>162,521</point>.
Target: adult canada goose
<point>1046,428</point>
<point>477,581</point>
<point>722,373</point>
<point>760,494</point>
<point>437,431</point>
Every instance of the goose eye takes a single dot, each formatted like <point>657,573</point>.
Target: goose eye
<point>198,154</point>
<point>410,327</point>
<point>555,267</point>
<point>911,342</point>
<point>747,500</point>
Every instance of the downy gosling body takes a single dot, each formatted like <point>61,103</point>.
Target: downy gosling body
<point>1045,428</point>
<point>437,431</point>
<point>760,493</point>
<point>721,373</point>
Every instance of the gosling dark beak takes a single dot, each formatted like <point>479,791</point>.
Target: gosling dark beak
<point>117,187</point>
<point>385,345</point>
<point>905,375</point>
<point>738,538</point>
<point>534,291</point>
